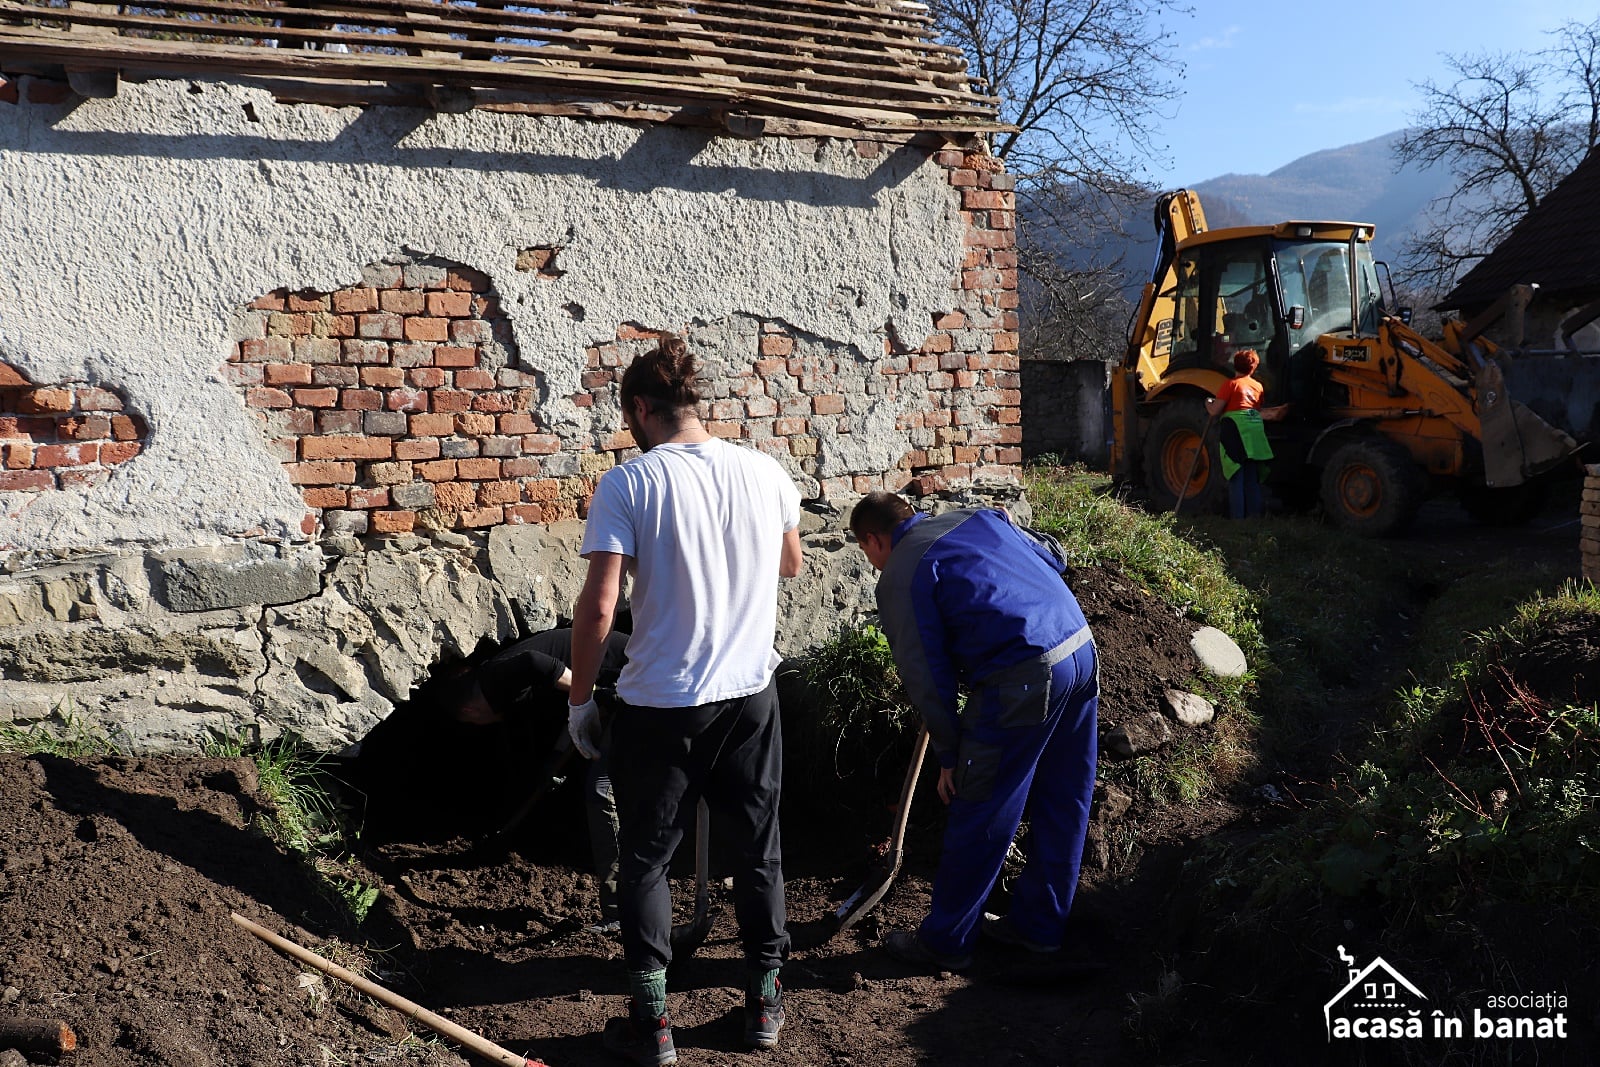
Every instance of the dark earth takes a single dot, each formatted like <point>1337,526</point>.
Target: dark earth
<point>119,876</point>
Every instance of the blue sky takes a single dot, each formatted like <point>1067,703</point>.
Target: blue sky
<point>1267,83</point>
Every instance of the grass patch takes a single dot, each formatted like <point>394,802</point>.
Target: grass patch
<point>292,778</point>
<point>63,735</point>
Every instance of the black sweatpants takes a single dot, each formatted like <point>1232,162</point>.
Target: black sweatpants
<point>663,760</point>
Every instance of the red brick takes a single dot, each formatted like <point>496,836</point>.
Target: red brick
<point>443,470</point>
<point>832,404</point>
<point>321,473</point>
<point>449,304</point>
<point>520,467</point>
<point>85,428</point>
<point>791,427</point>
<point>420,448</point>
<point>93,399</point>
<point>470,332</point>
<point>47,401</point>
<point>26,481</point>
<point>335,326</point>
<point>542,492</point>
<point>450,400</point>
<point>466,279</point>
<point>517,423</point>
<point>380,377</point>
<point>66,455</point>
<point>402,301</point>
<point>9,93</point>
<point>308,525</point>
<point>367,499</point>
<point>1006,342</point>
<point>582,400</point>
<point>277,300</point>
<point>524,514</point>
<point>964,178</point>
<point>455,496</point>
<point>478,470</point>
<point>449,356</point>
<point>346,448</point>
<point>381,326</point>
<point>361,400</point>
<point>975,238</point>
<point>479,517</point>
<point>423,328</point>
<point>323,497</point>
<point>316,398</point>
<point>495,493</point>
<point>268,398</point>
<point>127,427</point>
<point>950,157</point>
<point>355,301</point>
<point>775,344</point>
<point>393,521</point>
<point>988,200</point>
<point>938,342</point>
<point>433,425</point>
<point>18,457</point>
<point>286,374</point>
<point>541,444</point>
<point>410,401</point>
<point>474,424</point>
<point>427,377</point>
<point>619,441</point>
<point>473,378</point>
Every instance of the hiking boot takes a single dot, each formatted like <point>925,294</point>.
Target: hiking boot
<point>907,946</point>
<point>999,928</point>
<point>645,1041</point>
<point>763,1018</point>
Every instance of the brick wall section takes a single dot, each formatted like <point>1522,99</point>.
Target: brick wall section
<point>972,429</point>
<point>393,402</point>
<point>1589,541</point>
<point>62,436</point>
<point>397,402</point>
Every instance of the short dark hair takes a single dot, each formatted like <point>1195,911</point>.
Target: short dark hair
<point>665,377</point>
<point>879,512</point>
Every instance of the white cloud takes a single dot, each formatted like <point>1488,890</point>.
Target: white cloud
<point>1223,40</point>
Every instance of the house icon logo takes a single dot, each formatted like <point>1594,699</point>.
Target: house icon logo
<point>1376,1001</point>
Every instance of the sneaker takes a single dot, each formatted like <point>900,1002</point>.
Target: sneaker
<point>645,1041</point>
<point>1000,929</point>
<point>907,946</point>
<point>763,1018</point>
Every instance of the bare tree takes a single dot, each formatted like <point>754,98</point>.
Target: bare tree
<point>1083,81</point>
<point>1510,127</point>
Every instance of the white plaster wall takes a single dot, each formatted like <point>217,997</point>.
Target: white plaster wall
<point>135,228</point>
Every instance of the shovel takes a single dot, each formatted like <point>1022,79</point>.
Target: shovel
<point>864,899</point>
<point>688,937</point>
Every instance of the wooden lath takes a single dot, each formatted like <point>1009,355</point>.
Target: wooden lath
<point>856,64</point>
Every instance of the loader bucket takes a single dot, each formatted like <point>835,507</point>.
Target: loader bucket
<point>1517,444</point>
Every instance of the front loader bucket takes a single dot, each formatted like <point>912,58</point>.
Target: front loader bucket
<point>1517,444</point>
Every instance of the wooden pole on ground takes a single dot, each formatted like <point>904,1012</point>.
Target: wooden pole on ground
<point>35,1039</point>
<point>412,1010</point>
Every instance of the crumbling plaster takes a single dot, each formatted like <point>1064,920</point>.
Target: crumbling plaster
<point>138,226</point>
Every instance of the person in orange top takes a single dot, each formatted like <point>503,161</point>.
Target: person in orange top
<point>1243,437</point>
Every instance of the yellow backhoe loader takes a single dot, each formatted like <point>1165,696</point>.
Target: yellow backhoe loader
<point>1377,416</point>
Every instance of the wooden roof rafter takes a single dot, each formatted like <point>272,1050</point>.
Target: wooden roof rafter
<point>860,65</point>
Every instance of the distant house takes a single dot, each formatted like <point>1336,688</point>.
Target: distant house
<point>312,319</point>
<point>1553,247</point>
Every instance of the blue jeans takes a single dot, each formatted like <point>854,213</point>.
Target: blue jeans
<point>1244,492</point>
<point>1005,765</point>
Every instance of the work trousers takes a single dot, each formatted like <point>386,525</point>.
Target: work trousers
<point>1244,492</point>
<point>663,760</point>
<point>1019,751</point>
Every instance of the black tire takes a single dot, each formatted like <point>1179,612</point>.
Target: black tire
<point>1371,486</point>
<point>1169,457</point>
<point>1511,506</point>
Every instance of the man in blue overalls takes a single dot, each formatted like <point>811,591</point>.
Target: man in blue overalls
<point>970,600</point>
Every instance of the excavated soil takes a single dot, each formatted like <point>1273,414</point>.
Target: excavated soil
<point>119,876</point>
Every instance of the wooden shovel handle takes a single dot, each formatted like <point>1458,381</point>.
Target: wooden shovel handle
<point>460,1034</point>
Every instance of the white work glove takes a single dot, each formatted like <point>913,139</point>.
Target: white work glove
<point>583,723</point>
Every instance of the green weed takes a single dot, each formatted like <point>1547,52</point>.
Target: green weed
<point>64,734</point>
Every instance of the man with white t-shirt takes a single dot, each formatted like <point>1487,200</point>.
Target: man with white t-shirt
<point>705,528</point>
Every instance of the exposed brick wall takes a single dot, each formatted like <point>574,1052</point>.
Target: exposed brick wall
<point>1589,540</point>
<point>62,436</point>
<point>398,402</point>
<point>394,402</point>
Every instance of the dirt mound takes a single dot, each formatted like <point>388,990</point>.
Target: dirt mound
<point>119,876</point>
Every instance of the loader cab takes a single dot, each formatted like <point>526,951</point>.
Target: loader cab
<point>1273,292</point>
